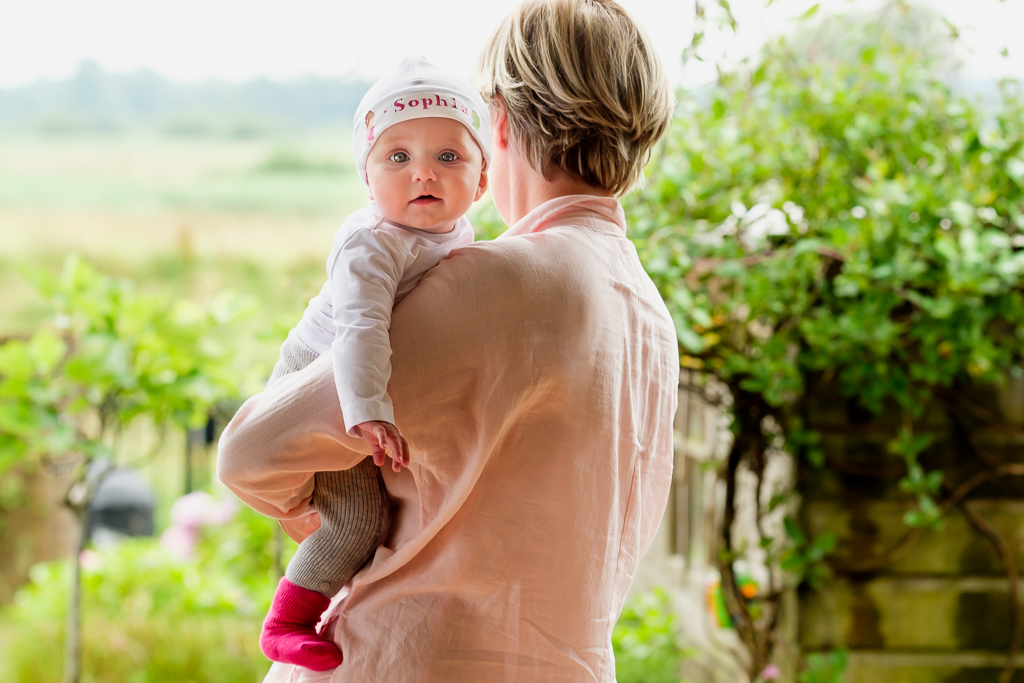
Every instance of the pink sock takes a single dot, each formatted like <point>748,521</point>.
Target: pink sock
<point>289,631</point>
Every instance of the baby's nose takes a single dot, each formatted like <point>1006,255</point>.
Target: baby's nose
<point>423,170</point>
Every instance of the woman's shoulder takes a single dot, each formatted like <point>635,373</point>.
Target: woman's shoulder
<point>493,259</point>
<point>508,272</point>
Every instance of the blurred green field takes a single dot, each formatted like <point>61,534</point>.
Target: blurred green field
<point>299,174</point>
<point>188,216</point>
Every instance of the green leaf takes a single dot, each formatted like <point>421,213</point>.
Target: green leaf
<point>19,419</point>
<point>908,445</point>
<point>46,349</point>
<point>825,667</point>
<point>730,269</point>
<point>689,339</point>
<point>793,531</point>
<point>816,457</point>
<point>947,248</point>
<point>777,500</point>
<point>825,543</point>
<point>16,361</point>
<point>700,316</point>
<point>808,245</point>
<point>810,12</point>
<point>718,108</point>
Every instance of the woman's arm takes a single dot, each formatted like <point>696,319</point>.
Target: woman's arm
<point>280,437</point>
<point>458,319</point>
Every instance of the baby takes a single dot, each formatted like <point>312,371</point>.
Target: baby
<point>422,142</point>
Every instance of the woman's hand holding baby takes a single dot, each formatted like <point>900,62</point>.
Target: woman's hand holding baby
<point>383,437</point>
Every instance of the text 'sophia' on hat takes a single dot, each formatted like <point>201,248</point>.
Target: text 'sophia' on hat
<point>418,90</point>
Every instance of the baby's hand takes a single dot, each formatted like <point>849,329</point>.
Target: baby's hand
<point>384,437</point>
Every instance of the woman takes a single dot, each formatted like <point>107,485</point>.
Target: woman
<point>534,377</point>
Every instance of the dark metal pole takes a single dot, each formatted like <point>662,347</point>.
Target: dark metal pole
<point>188,461</point>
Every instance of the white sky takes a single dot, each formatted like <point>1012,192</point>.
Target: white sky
<point>242,39</point>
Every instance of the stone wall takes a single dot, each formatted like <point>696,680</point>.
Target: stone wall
<point>941,611</point>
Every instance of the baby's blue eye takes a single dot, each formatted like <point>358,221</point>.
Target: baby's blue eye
<point>399,157</point>
<point>447,156</point>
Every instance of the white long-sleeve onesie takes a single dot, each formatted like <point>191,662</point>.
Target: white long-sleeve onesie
<point>373,264</point>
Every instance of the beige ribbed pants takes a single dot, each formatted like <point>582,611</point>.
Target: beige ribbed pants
<point>353,507</point>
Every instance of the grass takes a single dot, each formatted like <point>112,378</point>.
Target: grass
<point>188,216</point>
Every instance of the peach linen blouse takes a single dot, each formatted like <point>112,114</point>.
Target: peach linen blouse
<point>535,378</point>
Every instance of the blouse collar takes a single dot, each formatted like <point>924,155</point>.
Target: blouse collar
<point>601,213</point>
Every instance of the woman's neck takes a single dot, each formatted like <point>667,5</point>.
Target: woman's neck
<point>528,189</point>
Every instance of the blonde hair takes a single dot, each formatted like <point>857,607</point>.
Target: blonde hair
<point>583,88</point>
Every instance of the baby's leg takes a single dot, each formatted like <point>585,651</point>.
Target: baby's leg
<point>353,507</point>
<point>353,510</point>
<point>293,357</point>
<point>354,518</point>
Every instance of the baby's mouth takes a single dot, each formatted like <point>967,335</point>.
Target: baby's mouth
<point>425,199</point>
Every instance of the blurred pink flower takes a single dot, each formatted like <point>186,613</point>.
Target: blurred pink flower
<point>188,514</point>
<point>771,672</point>
<point>223,512</point>
<point>179,541</point>
<point>199,508</point>
<point>90,559</point>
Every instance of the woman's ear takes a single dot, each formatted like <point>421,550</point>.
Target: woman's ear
<point>499,123</point>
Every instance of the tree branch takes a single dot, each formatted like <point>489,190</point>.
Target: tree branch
<point>894,555</point>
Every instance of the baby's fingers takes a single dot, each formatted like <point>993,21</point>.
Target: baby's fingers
<point>395,442</point>
<point>380,450</point>
<point>404,450</point>
<point>381,434</point>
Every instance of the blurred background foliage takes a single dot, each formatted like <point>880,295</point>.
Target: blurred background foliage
<point>151,615</point>
<point>834,215</point>
<point>852,204</point>
<point>184,188</point>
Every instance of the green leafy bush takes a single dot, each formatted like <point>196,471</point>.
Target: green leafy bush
<point>852,217</point>
<point>111,354</point>
<point>834,218</point>
<point>151,617</point>
<point>646,641</point>
<point>827,667</point>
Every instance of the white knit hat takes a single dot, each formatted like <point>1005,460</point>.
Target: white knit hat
<point>418,90</point>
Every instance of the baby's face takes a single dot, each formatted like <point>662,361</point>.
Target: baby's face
<point>426,173</point>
